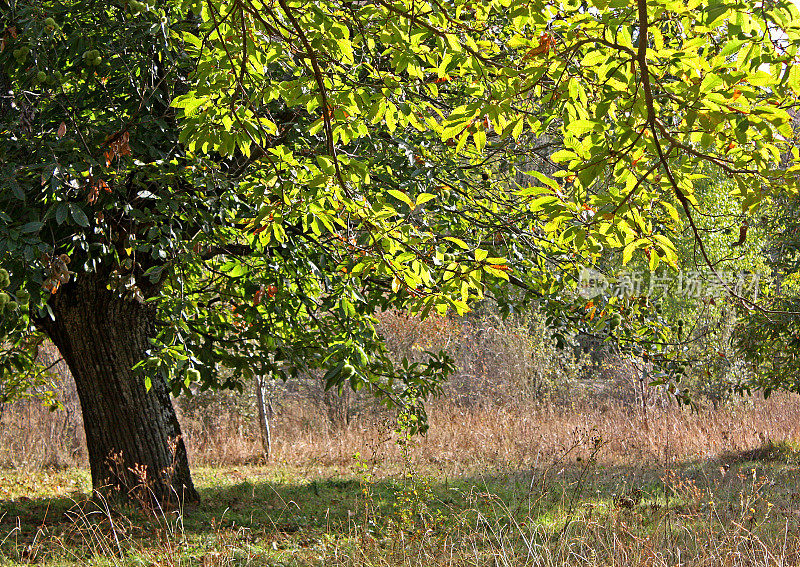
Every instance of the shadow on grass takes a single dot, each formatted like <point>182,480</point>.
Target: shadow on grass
<point>242,498</point>
<point>783,452</point>
<point>274,507</point>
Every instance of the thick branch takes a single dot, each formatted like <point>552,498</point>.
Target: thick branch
<point>233,249</point>
<point>641,57</point>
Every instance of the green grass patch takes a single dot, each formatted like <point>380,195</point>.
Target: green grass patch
<point>279,515</point>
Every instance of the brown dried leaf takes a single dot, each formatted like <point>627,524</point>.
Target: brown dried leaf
<point>94,192</point>
<point>117,146</point>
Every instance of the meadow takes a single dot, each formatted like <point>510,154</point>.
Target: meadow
<point>507,483</point>
<point>589,222</point>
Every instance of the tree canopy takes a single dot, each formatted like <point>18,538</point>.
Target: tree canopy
<point>267,176</point>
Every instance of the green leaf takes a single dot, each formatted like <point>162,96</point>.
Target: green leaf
<point>671,210</point>
<point>731,47</point>
<point>400,196</point>
<point>453,42</point>
<point>34,226</point>
<point>346,49</point>
<point>460,243</point>
<point>479,138</point>
<point>710,82</point>
<point>16,190</point>
<point>563,156</point>
<point>423,198</point>
<point>581,127</point>
<point>62,210</point>
<point>78,215</point>
<point>627,252</point>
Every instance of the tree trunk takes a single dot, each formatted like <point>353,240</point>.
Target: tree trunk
<point>133,437</point>
<point>263,419</point>
<point>338,407</point>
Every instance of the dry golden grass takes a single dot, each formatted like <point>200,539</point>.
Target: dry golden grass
<point>501,478</point>
<point>510,433</point>
<point>517,435</point>
<point>479,489</point>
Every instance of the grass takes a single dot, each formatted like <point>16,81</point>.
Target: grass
<point>505,476</point>
<point>580,500</point>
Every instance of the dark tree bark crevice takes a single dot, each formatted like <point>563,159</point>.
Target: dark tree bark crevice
<point>132,434</point>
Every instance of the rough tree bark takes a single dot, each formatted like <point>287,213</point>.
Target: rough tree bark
<point>132,434</point>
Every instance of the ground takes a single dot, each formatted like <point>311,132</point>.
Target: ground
<point>738,508</point>
<point>507,483</point>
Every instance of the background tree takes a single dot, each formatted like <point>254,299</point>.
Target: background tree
<point>768,339</point>
<point>205,185</point>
